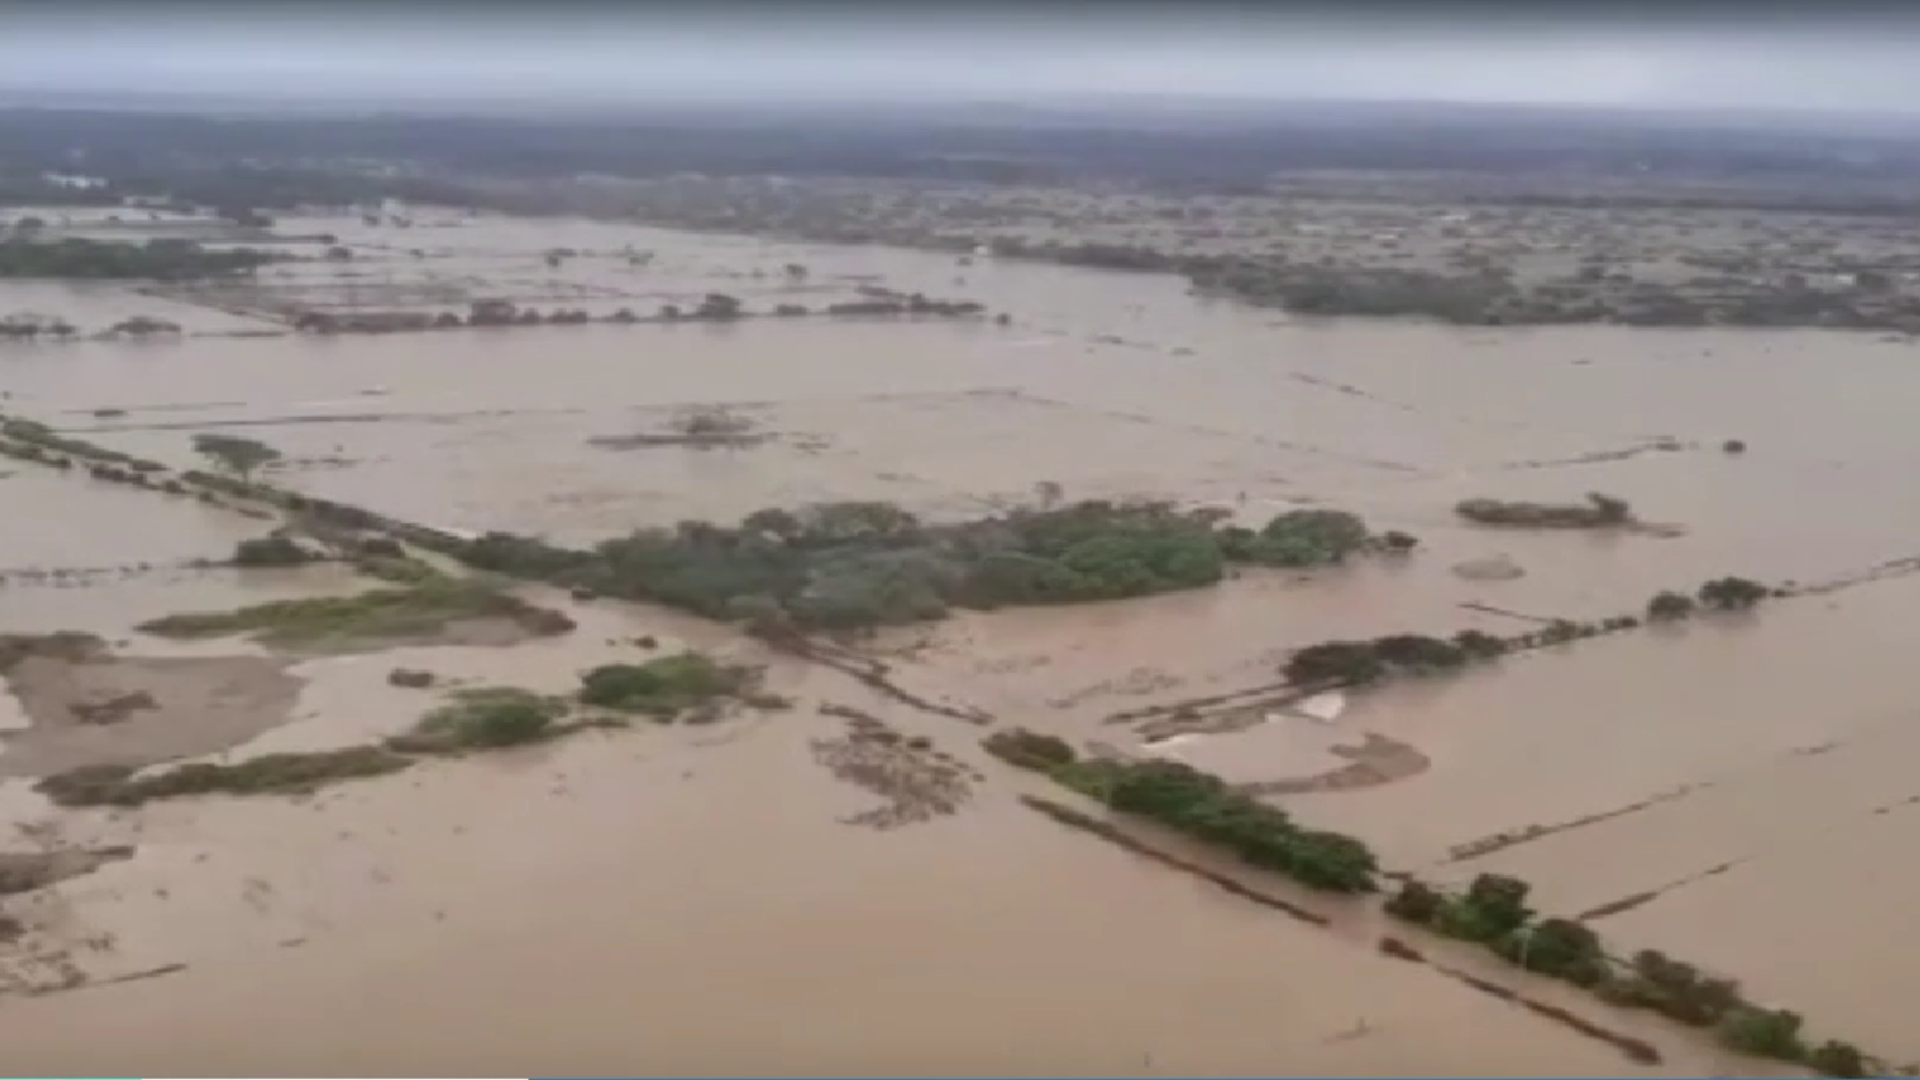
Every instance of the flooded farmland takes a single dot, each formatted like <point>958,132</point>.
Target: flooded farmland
<point>715,879</point>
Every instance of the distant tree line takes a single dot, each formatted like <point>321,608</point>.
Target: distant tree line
<point>165,260</point>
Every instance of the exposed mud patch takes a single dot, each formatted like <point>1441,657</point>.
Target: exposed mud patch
<point>88,707</point>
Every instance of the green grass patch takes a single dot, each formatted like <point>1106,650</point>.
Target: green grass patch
<point>666,687</point>
<point>420,610</point>
<point>484,718</point>
<point>117,785</point>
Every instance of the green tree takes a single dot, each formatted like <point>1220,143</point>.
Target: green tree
<point>1500,901</point>
<point>232,454</point>
<point>1559,947</point>
<point>1668,606</point>
<point>1349,663</point>
<point>1840,1059</point>
<point>1416,902</point>
<point>1732,594</point>
<point>1773,1033</point>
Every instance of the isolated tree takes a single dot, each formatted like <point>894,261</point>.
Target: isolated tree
<point>1049,493</point>
<point>1669,605</point>
<point>719,306</point>
<point>233,454</point>
<point>1732,593</point>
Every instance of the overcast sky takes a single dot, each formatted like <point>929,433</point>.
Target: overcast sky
<point>1852,59</point>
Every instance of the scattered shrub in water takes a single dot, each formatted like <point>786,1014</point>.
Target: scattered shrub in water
<point>483,718</point>
<point>270,551</point>
<point>1029,749</point>
<point>1836,1058</point>
<point>1347,663</point>
<point>1732,594</point>
<point>1772,1033</point>
<point>663,687</point>
<point>1599,511</point>
<point>1669,606</point>
<point>238,456</point>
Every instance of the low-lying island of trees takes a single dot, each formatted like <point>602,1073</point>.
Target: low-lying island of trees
<point>165,260</point>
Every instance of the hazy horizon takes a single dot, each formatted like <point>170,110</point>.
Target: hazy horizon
<point>558,54</point>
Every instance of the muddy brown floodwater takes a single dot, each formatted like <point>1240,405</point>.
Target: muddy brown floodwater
<point>709,900</point>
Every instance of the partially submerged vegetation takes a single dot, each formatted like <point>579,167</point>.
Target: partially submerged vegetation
<point>689,686</point>
<point>666,687</point>
<point>1202,806</point>
<point>235,455</point>
<point>1493,912</point>
<point>483,718</point>
<point>865,564</point>
<point>35,441</point>
<point>95,259</point>
<point>1331,664</point>
<point>271,551</point>
<point>1598,512</point>
<point>290,773</point>
<point>386,614</point>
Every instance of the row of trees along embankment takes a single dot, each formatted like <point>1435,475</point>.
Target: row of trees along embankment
<point>1491,912</point>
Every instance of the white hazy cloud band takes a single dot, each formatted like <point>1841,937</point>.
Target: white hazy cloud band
<point>604,54</point>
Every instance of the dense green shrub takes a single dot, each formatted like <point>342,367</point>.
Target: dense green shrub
<point>270,551</point>
<point>94,259</point>
<point>1669,606</point>
<point>483,718</point>
<point>1732,594</point>
<point>864,564</point>
<point>663,687</point>
<point>1599,511</point>
<point>1346,663</point>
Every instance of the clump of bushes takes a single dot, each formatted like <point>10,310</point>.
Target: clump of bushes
<point>1202,806</point>
<point>664,687</point>
<point>1493,912</point>
<point>1669,606</point>
<point>379,614</point>
<point>1029,749</point>
<point>1598,512</point>
<point>1359,663</point>
<point>483,718</point>
<point>1307,538</point>
<point>1356,663</point>
<point>1732,594</point>
<point>118,785</point>
<point>270,551</point>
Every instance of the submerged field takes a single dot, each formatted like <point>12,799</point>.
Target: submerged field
<point>1760,751</point>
